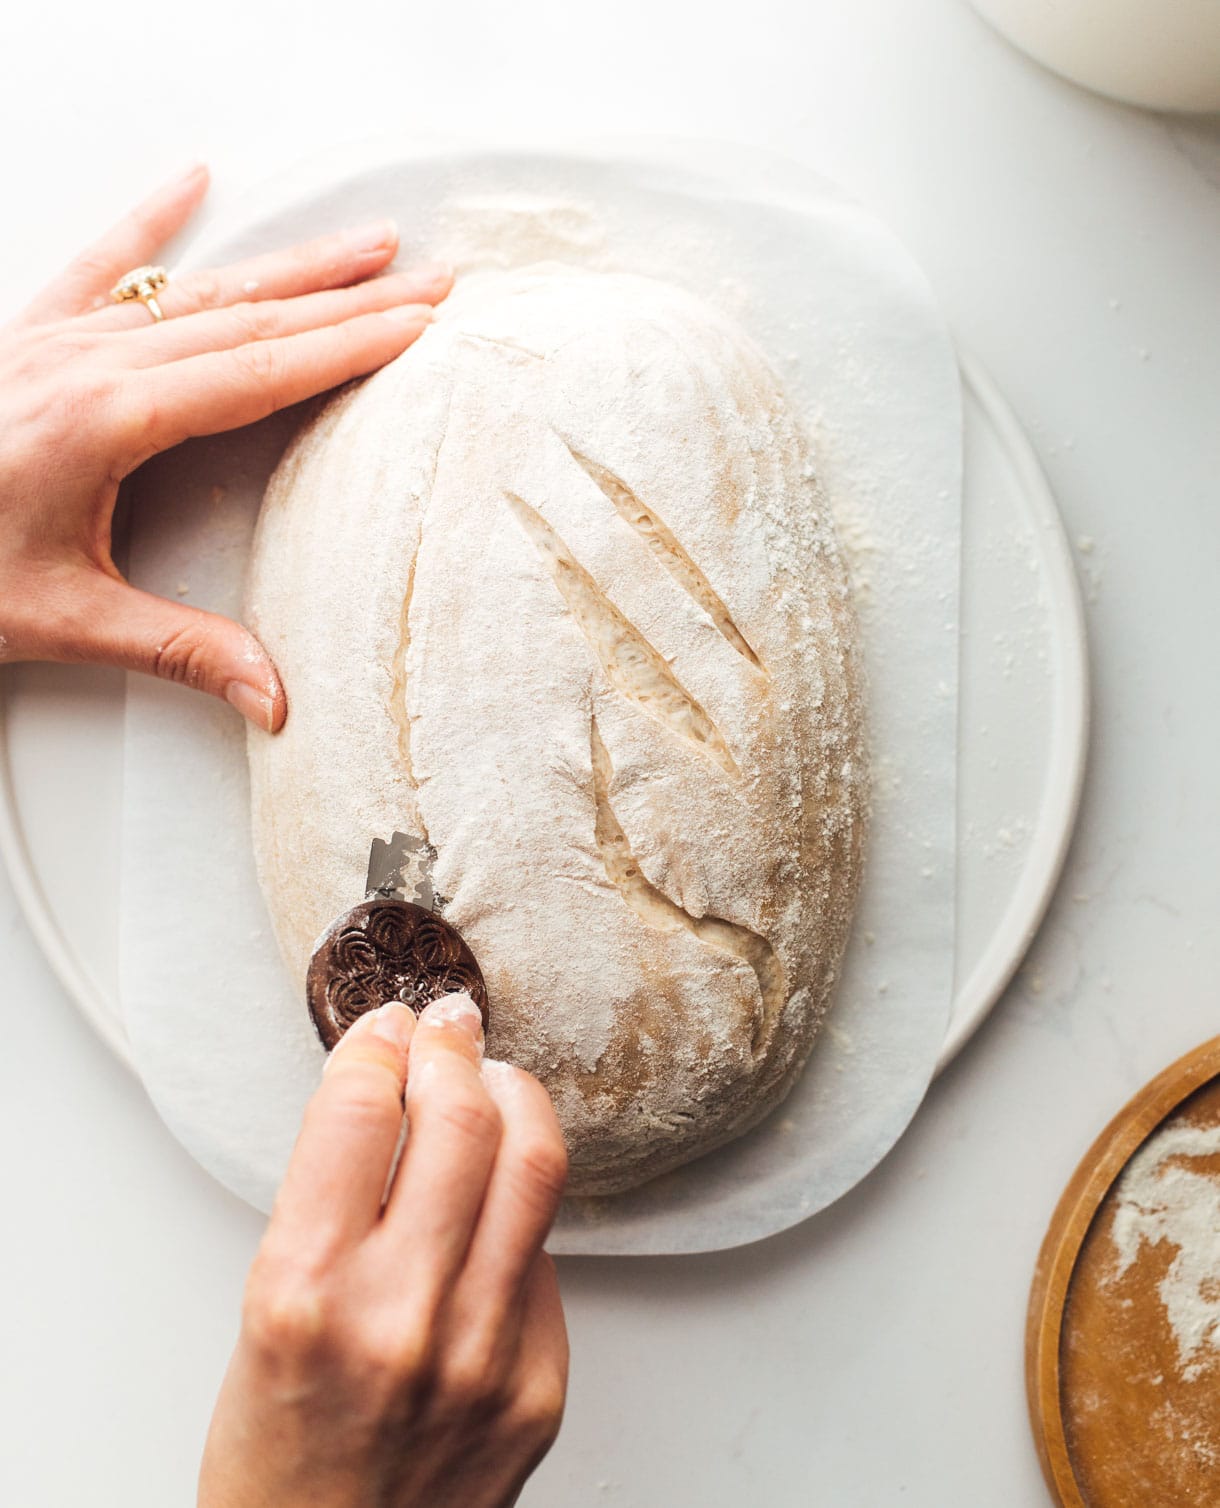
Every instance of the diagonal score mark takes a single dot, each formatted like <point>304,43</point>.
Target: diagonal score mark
<point>655,908</point>
<point>669,551</point>
<point>633,667</point>
<point>398,691</point>
<point>501,343</point>
<point>402,648</point>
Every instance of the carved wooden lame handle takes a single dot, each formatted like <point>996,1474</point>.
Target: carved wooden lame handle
<point>387,949</point>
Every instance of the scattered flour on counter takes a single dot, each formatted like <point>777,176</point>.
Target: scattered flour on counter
<point>1160,1199</point>
<point>1091,565</point>
<point>857,541</point>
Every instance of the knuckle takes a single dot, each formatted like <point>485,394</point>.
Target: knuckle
<point>400,1358</point>
<point>536,1412</point>
<point>182,657</point>
<point>260,365</point>
<point>255,321</point>
<point>315,261</point>
<point>479,1364</point>
<point>363,1099</point>
<point>541,1168</point>
<point>474,1398</point>
<point>326,260</point>
<point>472,1382</point>
<point>94,268</point>
<point>285,1314</point>
<point>204,291</point>
<point>469,1116</point>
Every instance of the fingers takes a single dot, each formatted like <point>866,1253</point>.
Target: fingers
<point>451,1146</point>
<point>118,625</point>
<point>222,329</point>
<point>332,261</point>
<point>332,1192</point>
<point>136,239</point>
<point>526,1187</point>
<point>220,390</point>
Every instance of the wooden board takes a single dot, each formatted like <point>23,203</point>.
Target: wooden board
<point>1125,1412</point>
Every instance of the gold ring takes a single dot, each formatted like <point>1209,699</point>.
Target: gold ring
<point>143,283</point>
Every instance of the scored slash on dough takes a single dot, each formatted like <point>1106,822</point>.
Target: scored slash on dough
<point>655,908</point>
<point>667,548</point>
<point>632,665</point>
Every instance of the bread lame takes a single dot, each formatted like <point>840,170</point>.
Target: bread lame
<point>389,947</point>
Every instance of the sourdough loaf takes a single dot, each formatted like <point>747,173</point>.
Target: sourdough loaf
<point>557,593</point>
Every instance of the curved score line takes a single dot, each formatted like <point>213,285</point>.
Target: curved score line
<point>632,665</point>
<point>655,908</point>
<point>669,551</point>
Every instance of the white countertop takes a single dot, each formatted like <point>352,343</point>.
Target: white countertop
<point>874,1355</point>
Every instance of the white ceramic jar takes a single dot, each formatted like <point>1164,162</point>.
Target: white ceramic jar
<point>1164,54</point>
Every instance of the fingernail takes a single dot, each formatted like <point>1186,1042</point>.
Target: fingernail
<point>409,314</point>
<point>455,1010</point>
<point>393,1022</point>
<point>373,237</point>
<point>254,705</point>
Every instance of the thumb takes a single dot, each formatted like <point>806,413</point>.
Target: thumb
<point>134,630</point>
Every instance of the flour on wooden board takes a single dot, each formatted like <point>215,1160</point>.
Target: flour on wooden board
<point>1161,1199</point>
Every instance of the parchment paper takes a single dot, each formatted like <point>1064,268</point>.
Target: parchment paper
<point>219,1031</point>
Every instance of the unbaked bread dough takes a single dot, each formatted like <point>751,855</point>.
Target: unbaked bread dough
<point>556,591</point>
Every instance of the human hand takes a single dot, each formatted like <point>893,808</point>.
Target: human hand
<point>412,1355</point>
<point>90,389</point>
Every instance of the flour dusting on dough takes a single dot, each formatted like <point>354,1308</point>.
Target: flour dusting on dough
<point>451,594</point>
